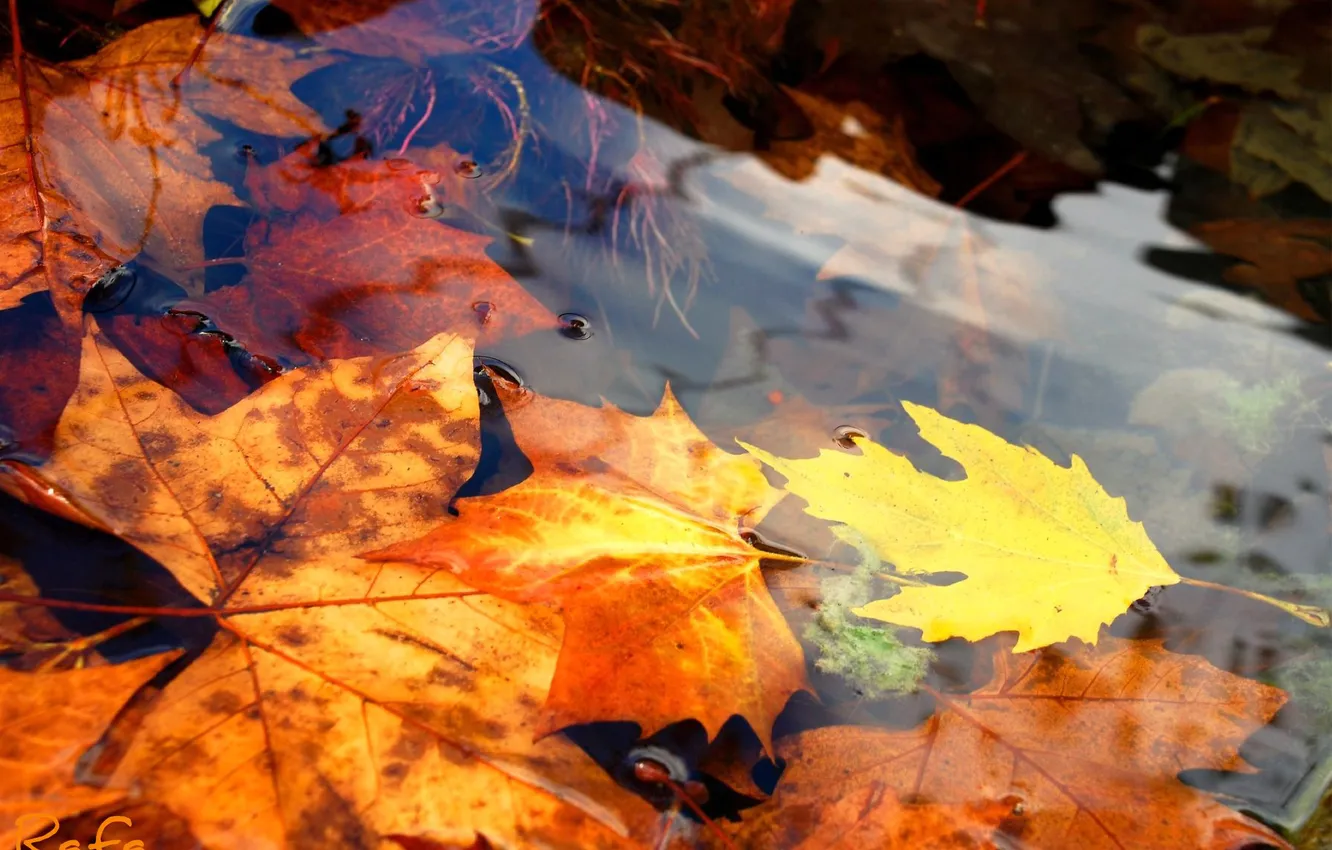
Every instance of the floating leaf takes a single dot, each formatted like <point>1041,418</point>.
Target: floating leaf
<point>338,696</point>
<point>310,468</point>
<point>632,526</point>
<point>1046,551</point>
<point>333,725</point>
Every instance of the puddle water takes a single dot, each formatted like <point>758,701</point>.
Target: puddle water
<point>785,249</point>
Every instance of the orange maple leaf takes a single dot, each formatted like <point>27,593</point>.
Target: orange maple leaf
<point>818,807</point>
<point>101,157</point>
<point>338,697</point>
<point>633,526</point>
<point>102,161</point>
<point>1089,742</point>
<point>314,465</point>
<point>345,263</point>
<point>49,720</point>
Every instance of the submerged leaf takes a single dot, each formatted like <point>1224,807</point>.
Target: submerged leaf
<point>1046,551</point>
<point>1084,746</point>
<point>106,160</point>
<point>1277,255</point>
<point>348,262</point>
<point>117,165</point>
<point>818,807</point>
<point>21,626</point>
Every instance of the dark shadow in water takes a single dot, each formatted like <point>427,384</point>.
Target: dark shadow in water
<point>502,464</point>
<point>71,563</point>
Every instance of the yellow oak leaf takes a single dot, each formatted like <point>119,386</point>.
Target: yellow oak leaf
<point>1046,552</point>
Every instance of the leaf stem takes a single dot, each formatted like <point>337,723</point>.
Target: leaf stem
<point>1310,614</point>
<point>29,144</point>
<point>682,796</point>
<point>1017,159</point>
<point>137,610</point>
<point>199,45</point>
<point>150,611</point>
<point>89,642</point>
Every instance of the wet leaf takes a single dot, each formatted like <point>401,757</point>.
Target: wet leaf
<point>117,167</point>
<point>349,261</point>
<point>185,353</point>
<point>336,725</point>
<point>1082,746</point>
<point>311,468</point>
<point>855,133</point>
<point>339,696</point>
<point>39,363</point>
<point>632,526</point>
<point>241,80</point>
<point>1046,551</point>
<point>817,806</point>
<point>45,733</point>
<point>1277,256</point>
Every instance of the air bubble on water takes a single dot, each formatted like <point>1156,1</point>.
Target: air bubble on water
<point>468,168</point>
<point>482,364</point>
<point>484,310</point>
<point>669,762</point>
<point>846,436</point>
<point>426,207</point>
<point>111,290</point>
<point>489,371</point>
<point>575,326</point>
<point>398,163</point>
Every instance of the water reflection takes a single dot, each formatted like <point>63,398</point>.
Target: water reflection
<point>428,169</point>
